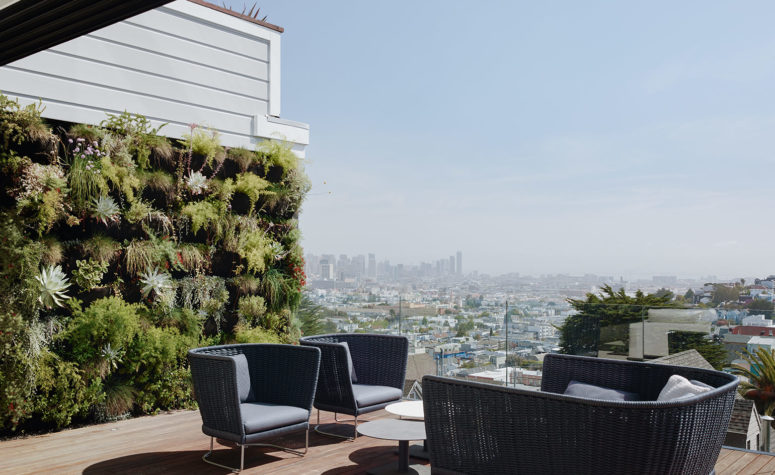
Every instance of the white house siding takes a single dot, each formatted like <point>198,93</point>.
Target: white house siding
<point>178,64</point>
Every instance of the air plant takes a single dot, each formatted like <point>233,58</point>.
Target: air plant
<point>53,284</point>
<point>106,210</point>
<point>154,281</point>
<point>276,250</point>
<point>197,183</point>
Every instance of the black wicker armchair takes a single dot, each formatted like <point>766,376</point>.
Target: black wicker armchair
<point>485,429</point>
<point>372,379</point>
<point>247,393</point>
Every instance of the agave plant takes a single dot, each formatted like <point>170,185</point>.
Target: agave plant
<point>106,210</point>
<point>154,281</point>
<point>53,284</point>
<point>760,374</point>
<point>197,183</point>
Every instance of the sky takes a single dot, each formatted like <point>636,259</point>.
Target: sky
<point>615,138</point>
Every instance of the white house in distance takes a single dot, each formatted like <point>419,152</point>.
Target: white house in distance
<point>186,62</point>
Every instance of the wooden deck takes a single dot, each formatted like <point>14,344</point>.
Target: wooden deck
<point>174,443</point>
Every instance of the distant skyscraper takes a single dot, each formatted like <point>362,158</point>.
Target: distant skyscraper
<point>372,271</point>
<point>326,270</point>
<point>459,266</point>
<point>452,264</point>
<point>358,265</point>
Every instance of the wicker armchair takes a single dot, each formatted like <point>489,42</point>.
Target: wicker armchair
<point>375,380</point>
<point>253,392</point>
<point>485,429</point>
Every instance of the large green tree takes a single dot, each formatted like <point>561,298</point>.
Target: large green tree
<point>761,306</point>
<point>711,349</point>
<point>723,293</point>
<point>609,314</point>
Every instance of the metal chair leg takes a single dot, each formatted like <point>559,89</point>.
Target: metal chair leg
<point>235,470</point>
<point>329,434</point>
<point>286,449</point>
<point>242,452</point>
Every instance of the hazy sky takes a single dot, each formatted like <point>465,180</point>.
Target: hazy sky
<point>623,138</point>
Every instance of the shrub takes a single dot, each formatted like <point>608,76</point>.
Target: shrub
<point>101,248</point>
<point>279,153</point>
<point>203,142</point>
<point>138,211</point>
<point>256,248</point>
<point>251,185</point>
<point>245,334</point>
<point>107,321</point>
<point>19,124</point>
<point>152,364</point>
<point>202,214</point>
<point>62,391</point>
<point>251,308</point>
<point>243,157</point>
<point>17,371</point>
<point>142,137</point>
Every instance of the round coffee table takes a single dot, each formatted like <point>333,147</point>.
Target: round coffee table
<point>396,429</point>
<point>411,410</point>
<point>407,410</point>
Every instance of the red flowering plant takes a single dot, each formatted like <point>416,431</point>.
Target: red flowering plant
<point>296,267</point>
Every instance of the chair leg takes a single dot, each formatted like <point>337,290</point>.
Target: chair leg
<point>286,449</point>
<point>329,434</point>
<point>235,470</point>
<point>206,456</point>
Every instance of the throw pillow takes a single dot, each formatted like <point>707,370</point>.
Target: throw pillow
<point>243,377</point>
<point>350,366</point>
<point>678,387</point>
<point>590,391</point>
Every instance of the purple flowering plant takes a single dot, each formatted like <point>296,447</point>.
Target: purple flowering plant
<point>85,178</point>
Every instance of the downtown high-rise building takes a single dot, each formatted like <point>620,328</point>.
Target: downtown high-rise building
<point>371,271</point>
<point>459,264</point>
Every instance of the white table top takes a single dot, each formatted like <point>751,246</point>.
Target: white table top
<point>393,429</point>
<point>407,409</point>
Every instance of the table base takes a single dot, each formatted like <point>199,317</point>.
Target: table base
<point>418,451</point>
<point>391,469</point>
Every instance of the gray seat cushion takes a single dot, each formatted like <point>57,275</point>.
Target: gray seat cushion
<point>369,395</point>
<point>259,416</point>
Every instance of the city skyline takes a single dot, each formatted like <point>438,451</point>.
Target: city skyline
<point>365,260</point>
<point>574,138</point>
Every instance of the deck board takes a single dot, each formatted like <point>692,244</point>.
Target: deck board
<point>174,443</point>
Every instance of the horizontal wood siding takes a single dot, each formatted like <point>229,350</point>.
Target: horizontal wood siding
<point>176,64</point>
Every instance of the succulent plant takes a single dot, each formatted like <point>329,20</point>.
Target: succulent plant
<point>197,183</point>
<point>53,284</point>
<point>106,210</point>
<point>155,281</point>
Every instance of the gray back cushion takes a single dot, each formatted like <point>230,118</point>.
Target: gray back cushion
<point>353,376</point>
<point>243,378</point>
<point>590,391</point>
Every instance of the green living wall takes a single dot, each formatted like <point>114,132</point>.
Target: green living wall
<point>121,249</point>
